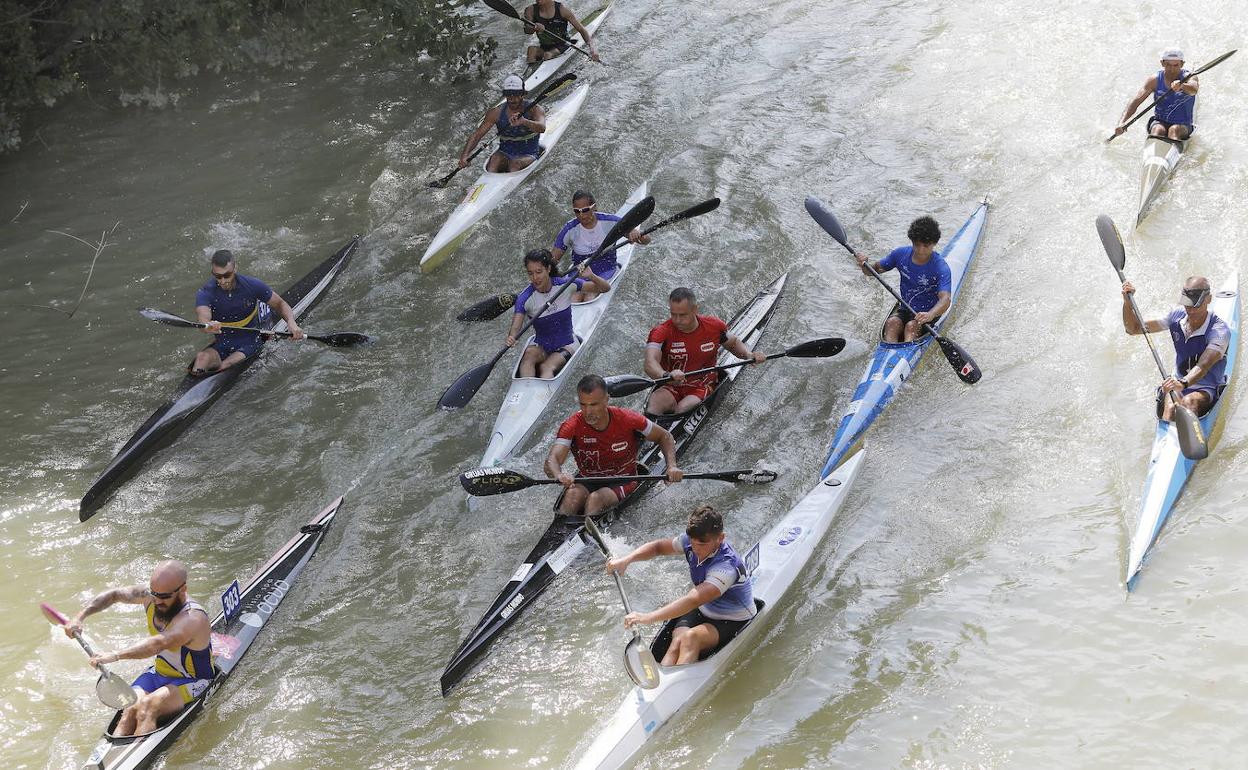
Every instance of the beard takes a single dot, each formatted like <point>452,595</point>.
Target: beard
<point>163,616</point>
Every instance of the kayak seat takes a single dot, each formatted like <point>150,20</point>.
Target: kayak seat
<point>664,638</point>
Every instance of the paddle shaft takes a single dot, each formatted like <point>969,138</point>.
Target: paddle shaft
<point>1139,317</point>
<point>602,546</point>
<point>1183,79</point>
<point>679,216</point>
<point>177,321</point>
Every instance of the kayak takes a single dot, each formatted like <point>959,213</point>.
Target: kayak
<point>195,394</point>
<point>1168,469</point>
<point>528,397</point>
<point>774,563</point>
<point>547,69</point>
<point>251,608</point>
<point>1161,155</point>
<point>491,189</point>
<point>565,538</point>
<point>892,362</point>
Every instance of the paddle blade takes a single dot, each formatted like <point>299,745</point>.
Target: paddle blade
<point>1191,436</point>
<point>160,316</point>
<point>750,476</point>
<point>54,617</point>
<point>640,664</point>
<point>550,88</point>
<point>620,385</point>
<point>462,390</point>
<point>496,481</point>
<point>343,339</point>
<point>635,216</point>
<point>503,7</point>
<point>963,364</point>
<point>1213,63</point>
<point>697,210</point>
<point>823,215</point>
<point>488,309</point>
<point>1112,242</point>
<point>820,348</point>
<point>115,692</point>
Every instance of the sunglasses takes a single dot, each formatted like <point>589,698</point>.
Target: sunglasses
<point>162,595</point>
<point>223,276</point>
<point>1192,297</point>
<point>585,209</point>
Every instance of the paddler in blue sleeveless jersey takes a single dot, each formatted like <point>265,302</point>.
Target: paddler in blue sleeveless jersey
<point>545,17</point>
<point>925,281</point>
<point>554,337</point>
<point>180,636</point>
<point>1200,341</point>
<point>241,301</point>
<point>519,131</point>
<point>721,601</point>
<point>1175,113</point>
<point>584,233</point>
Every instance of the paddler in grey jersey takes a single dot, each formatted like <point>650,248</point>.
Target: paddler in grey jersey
<point>545,17</point>
<point>181,640</point>
<point>518,134</point>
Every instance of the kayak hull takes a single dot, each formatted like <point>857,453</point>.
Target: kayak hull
<point>1161,155</point>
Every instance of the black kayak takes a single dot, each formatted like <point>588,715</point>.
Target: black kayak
<point>566,537</point>
<point>195,394</point>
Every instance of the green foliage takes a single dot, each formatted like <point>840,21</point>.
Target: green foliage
<point>49,48</point>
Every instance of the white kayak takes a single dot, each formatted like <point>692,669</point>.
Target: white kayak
<point>1161,155</point>
<point>492,189</point>
<point>528,397</point>
<point>775,563</point>
<point>547,69</point>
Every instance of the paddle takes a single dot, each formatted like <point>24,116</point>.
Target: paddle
<point>336,339</point>
<point>962,363</point>
<point>639,661</point>
<point>1183,79</point>
<point>492,307</point>
<point>619,385</point>
<point>503,7</point>
<point>112,690</point>
<point>483,482</point>
<point>463,389</point>
<point>1191,437</point>
<point>549,89</point>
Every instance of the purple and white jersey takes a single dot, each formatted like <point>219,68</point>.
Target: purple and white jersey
<point>554,327</point>
<point>726,571</point>
<point>582,242</point>
<point>1190,343</point>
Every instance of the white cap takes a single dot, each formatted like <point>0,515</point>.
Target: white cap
<point>513,83</point>
<point>1172,53</point>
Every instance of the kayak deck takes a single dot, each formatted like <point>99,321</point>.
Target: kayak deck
<point>1161,155</point>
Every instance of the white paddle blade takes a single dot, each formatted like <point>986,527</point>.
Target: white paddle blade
<point>114,692</point>
<point>640,664</point>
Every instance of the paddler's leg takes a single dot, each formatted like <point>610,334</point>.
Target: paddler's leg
<point>499,163</point>
<point>206,361</point>
<point>1199,400</point>
<point>662,401</point>
<point>151,708</point>
<point>520,161</point>
<point>533,355</point>
<point>551,365</point>
<point>894,327</point>
<point>1179,132</point>
<point>234,358</point>
<point>532,57</point>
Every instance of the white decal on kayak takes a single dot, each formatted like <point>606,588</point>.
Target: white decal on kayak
<point>903,369</point>
<point>854,406</point>
<point>251,619</point>
<point>514,398</point>
<point>521,573</point>
<point>561,558</point>
<point>515,602</point>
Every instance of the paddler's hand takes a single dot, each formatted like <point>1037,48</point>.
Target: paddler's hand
<point>862,259</point>
<point>758,356</point>
<point>674,474</point>
<point>462,162</point>
<point>635,236</point>
<point>1120,130</point>
<point>593,54</point>
<point>1127,290</point>
<point>213,327</point>
<point>637,619</point>
<point>73,628</point>
<point>1177,85</point>
<point>678,376</point>
<point>923,318</point>
<point>565,480</point>
<point>108,657</point>
<point>511,341</point>
<point>617,566</point>
<point>586,272</point>
<point>1173,385</point>
<point>539,27</point>
<point>296,333</point>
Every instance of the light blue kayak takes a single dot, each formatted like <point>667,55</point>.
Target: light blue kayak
<point>893,361</point>
<point>1168,469</point>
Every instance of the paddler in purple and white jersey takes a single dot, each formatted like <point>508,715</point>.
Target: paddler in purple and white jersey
<point>519,130</point>
<point>1175,112</point>
<point>554,339</point>
<point>1200,344</point>
<point>242,302</point>
<point>180,638</point>
<point>925,281</point>
<point>721,601</point>
<point>584,233</point>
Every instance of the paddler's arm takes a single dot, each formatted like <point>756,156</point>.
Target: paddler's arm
<point>555,459</point>
<point>576,23</point>
<point>601,284</point>
<point>664,547</point>
<point>738,349</point>
<point>862,265</point>
<point>283,309</point>
<point>204,314</point>
<point>179,632</point>
<point>697,596</point>
<point>1129,321</point>
<point>942,304</point>
<point>1208,359</point>
<point>653,366</point>
<point>517,320</point>
<point>490,118</point>
<point>127,595</point>
<point>1189,86</point>
<point>661,436</point>
<point>527,14</point>
<point>534,119</point>
<point>1149,86</point>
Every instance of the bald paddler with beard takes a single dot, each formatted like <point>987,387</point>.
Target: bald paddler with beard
<point>180,636</point>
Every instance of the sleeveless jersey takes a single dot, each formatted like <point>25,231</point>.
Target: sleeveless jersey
<point>1173,108</point>
<point>183,662</point>
<point>556,24</point>
<point>515,140</point>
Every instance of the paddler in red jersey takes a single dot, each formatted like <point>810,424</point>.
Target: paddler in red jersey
<point>684,343</point>
<point>181,640</point>
<point>604,440</point>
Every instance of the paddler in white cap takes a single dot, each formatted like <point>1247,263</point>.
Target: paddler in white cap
<point>518,130</point>
<point>1174,115</point>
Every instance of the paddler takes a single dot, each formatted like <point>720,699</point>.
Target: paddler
<point>683,343</point>
<point>239,300</point>
<point>554,339</point>
<point>1200,342</point>
<point>181,640</point>
<point>519,129</point>
<point>1176,109</point>
<point>604,441</point>
<point>548,19</point>
<point>925,281</point>
<point>721,601</point>
<point>584,233</point>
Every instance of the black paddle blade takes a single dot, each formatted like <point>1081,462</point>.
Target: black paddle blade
<point>160,316</point>
<point>635,216</point>
<point>550,88</point>
<point>462,390</point>
<point>963,364</point>
<point>620,385</point>
<point>1112,242</point>
<point>823,215</point>
<point>820,348</point>
<point>1191,438</point>
<point>1214,63</point>
<point>342,339</point>
<point>503,7</point>
<point>494,481</point>
<point>705,207</point>
<point>488,309</point>
<point>752,476</point>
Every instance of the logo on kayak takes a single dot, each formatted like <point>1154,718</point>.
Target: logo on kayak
<point>790,536</point>
<point>515,602</point>
<point>473,193</point>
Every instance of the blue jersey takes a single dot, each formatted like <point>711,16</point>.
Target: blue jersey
<point>247,302</point>
<point>513,140</point>
<point>583,242</point>
<point>727,571</point>
<point>1189,344</point>
<point>554,327</point>
<point>920,284</point>
<point>1173,107</point>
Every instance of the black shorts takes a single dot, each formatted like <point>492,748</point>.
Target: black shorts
<point>902,312</point>
<point>1191,127</point>
<point>555,46</point>
<point>727,628</point>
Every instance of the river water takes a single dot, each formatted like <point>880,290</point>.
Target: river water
<point>967,607</point>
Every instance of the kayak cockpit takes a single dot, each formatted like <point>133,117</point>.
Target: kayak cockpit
<point>664,639</point>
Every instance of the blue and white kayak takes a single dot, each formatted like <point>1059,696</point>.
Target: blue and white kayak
<point>893,362</point>
<point>1168,469</point>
